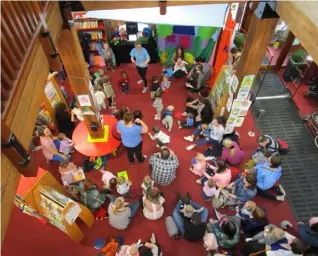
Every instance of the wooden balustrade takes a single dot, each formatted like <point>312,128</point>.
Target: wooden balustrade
<point>20,26</point>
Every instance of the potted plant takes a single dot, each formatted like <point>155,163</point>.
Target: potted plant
<point>239,41</point>
<point>295,66</point>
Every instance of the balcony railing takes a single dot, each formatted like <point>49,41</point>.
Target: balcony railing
<point>20,26</point>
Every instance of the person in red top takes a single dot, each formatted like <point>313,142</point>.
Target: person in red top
<point>124,82</point>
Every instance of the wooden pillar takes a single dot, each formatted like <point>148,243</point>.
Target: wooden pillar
<point>70,51</point>
<point>247,18</point>
<point>163,7</point>
<point>259,35</point>
<point>286,47</point>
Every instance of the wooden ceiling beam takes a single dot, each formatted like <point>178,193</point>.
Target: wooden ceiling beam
<point>110,5</point>
<point>301,18</point>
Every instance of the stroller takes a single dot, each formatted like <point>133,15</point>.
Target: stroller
<point>313,89</point>
<point>312,120</point>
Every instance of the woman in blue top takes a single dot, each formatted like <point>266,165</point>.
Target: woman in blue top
<point>267,175</point>
<point>131,136</point>
<point>244,187</point>
<point>141,58</point>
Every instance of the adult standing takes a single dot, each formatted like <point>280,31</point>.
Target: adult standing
<point>163,166</point>
<point>309,234</point>
<point>50,146</point>
<point>131,136</point>
<point>153,204</point>
<point>141,58</point>
<point>63,120</point>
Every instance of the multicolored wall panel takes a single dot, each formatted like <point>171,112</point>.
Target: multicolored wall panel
<point>197,41</point>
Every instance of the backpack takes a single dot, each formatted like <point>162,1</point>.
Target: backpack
<point>172,227</point>
<point>283,147</point>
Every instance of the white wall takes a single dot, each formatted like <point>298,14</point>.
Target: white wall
<point>194,15</point>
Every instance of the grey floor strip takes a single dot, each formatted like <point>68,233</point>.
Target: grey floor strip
<point>300,166</point>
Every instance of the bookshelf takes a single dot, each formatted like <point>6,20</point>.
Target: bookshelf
<point>96,29</point>
<point>43,197</point>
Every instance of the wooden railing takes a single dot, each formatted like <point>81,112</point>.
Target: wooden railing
<point>20,26</point>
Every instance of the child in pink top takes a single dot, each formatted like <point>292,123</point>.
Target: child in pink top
<point>232,153</point>
<point>66,145</point>
<point>199,164</point>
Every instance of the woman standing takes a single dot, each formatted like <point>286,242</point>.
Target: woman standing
<point>152,204</point>
<point>50,146</point>
<point>121,213</point>
<point>63,120</point>
<point>131,136</point>
<point>141,58</point>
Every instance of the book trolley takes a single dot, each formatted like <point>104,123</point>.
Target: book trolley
<point>43,197</point>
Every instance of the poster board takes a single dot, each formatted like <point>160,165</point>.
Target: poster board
<point>223,91</point>
<point>241,104</point>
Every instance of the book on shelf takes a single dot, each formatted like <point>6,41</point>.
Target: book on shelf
<point>94,24</point>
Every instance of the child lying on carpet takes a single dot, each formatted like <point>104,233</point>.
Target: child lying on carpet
<point>167,120</point>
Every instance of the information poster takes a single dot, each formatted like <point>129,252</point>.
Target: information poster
<point>220,87</point>
<point>84,100</point>
<point>247,81</point>
<point>51,94</point>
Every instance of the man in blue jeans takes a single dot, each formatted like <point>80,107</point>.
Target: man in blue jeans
<point>194,229</point>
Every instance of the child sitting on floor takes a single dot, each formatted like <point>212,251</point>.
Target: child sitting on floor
<point>165,84</point>
<point>246,212</point>
<point>188,123</point>
<point>187,210</point>
<point>124,82</point>
<point>67,167</point>
<point>180,65</point>
<point>147,184</point>
<point>155,87</point>
<point>123,186</point>
<point>109,180</point>
<point>161,138</point>
<point>158,104</point>
<point>198,165</point>
<point>270,235</point>
<point>167,120</point>
<point>66,145</point>
<point>209,190</point>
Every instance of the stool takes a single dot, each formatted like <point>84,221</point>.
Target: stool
<point>99,243</point>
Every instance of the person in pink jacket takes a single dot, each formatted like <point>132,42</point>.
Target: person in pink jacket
<point>222,174</point>
<point>232,152</point>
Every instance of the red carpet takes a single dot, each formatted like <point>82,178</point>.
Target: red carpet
<point>27,236</point>
<point>305,105</point>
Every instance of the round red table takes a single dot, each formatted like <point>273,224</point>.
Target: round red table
<point>80,136</point>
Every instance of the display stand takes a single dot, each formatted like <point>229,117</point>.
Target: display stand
<point>46,196</point>
<point>52,96</point>
<point>221,93</point>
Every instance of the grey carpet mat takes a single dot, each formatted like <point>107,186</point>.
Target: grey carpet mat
<point>300,165</point>
<point>272,86</point>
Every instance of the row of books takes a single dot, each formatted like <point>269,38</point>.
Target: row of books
<point>94,24</point>
<point>96,35</point>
